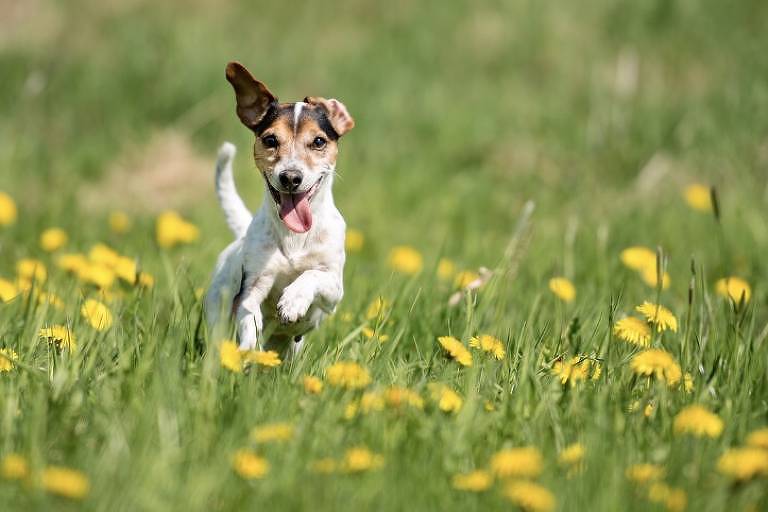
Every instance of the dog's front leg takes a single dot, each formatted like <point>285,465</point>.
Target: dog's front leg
<point>310,285</point>
<point>250,322</point>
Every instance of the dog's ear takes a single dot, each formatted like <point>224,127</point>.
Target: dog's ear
<point>253,97</point>
<point>337,113</point>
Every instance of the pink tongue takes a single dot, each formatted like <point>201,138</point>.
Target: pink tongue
<point>295,211</point>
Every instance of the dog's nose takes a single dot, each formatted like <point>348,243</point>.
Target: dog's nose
<point>291,179</point>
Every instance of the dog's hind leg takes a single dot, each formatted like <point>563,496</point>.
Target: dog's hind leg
<point>225,284</point>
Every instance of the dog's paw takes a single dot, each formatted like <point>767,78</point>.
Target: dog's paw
<point>294,303</point>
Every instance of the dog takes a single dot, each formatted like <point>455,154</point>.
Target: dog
<point>284,272</point>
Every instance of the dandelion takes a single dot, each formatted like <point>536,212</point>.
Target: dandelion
<point>249,465</point>
<point>698,421</point>
<point>97,314</point>
<point>14,467</point>
<point>59,335</point>
<point>31,270</point>
<point>658,363</point>
<point>447,399</point>
<point>456,350</point>
<point>638,257</point>
<point>465,278</point>
<point>698,197</point>
<point>445,269</point>
<point>312,385</point>
<point>50,299</point>
<point>474,481</point>
<point>102,253</point>
<point>530,496</point>
<point>354,240</point>
<point>651,277</point>
<point>370,334</point>
<point>146,280</point>
<point>119,222</point>
<point>347,374</point>
<point>360,459</point>
<point>488,343</point>
<point>72,262</point>
<point>572,370</point>
<point>572,454</point>
<point>66,482</point>
<point>8,291</point>
<point>97,274</point>
<point>53,239</point>
<point>733,288</point>
<point>125,268</point>
<point>674,499</point>
<point>758,438</point>
<point>8,211</point>
<point>658,315</point>
<point>405,259</point>
<point>268,358</point>
<point>171,229</point>
<point>633,330</point>
<point>743,463</point>
<point>230,356</point>
<point>7,358</point>
<point>377,309</point>
<point>523,462</point>
<point>643,473</point>
<point>688,382</point>
<point>563,288</point>
<point>272,432</point>
<point>324,466</point>
<point>397,397</point>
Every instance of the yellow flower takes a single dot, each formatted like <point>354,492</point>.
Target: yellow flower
<point>354,240</point>
<point>638,258</point>
<point>758,438</point>
<point>743,463</point>
<point>101,253</point>
<point>50,299</point>
<point>447,399</point>
<point>377,309</point>
<point>530,496</point>
<point>359,459</point>
<point>734,288</point>
<point>688,382</point>
<point>633,330</point>
<point>658,363</point>
<point>31,270</point>
<point>396,397</point>
<point>405,259</point>
<point>8,211</point>
<point>97,274</point>
<point>73,262</point>
<point>573,369</point>
<point>445,269</point>
<point>125,269</point>
<point>14,467</point>
<point>324,466</point>
<point>312,385</point>
<point>146,280</point>
<point>563,288</point>
<point>53,239</point>
<point>7,357</point>
<point>119,222</point>
<point>524,462</point>
<point>347,374</point>
<point>456,350</point>
<point>172,229</point>
<point>698,197</point>
<point>659,315</point>
<point>370,334</point>
<point>698,421</point>
<point>674,499</point>
<point>465,278</point>
<point>249,465</point>
<point>475,481</point>
<point>97,314</point>
<point>59,335</point>
<point>272,432</point>
<point>268,358</point>
<point>66,482</point>
<point>489,344</point>
<point>642,473</point>
<point>572,454</point>
<point>230,356</point>
<point>651,277</point>
<point>8,291</point>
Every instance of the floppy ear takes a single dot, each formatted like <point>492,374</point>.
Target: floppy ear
<point>337,113</point>
<point>253,97</point>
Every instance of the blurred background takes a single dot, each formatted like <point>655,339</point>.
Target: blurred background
<point>599,111</point>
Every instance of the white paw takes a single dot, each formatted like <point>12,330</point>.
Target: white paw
<point>294,303</point>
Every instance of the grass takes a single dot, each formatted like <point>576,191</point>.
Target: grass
<point>599,112</point>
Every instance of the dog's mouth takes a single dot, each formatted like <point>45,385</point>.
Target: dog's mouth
<point>294,208</point>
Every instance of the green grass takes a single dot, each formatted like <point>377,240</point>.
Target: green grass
<point>465,111</point>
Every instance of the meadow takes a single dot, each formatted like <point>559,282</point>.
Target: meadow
<point>556,285</point>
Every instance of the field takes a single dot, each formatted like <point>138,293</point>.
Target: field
<point>506,155</point>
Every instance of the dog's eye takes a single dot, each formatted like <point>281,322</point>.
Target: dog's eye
<point>318,143</point>
<point>269,141</point>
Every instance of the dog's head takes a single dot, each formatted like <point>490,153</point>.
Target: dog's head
<point>296,143</point>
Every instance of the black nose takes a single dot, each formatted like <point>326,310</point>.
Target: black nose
<point>291,179</point>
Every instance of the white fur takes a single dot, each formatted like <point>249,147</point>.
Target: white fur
<point>289,281</point>
<point>238,216</point>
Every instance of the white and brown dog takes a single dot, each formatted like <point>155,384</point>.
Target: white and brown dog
<point>283,273</point>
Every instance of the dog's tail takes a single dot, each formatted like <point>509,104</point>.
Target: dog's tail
<point>238,216</point>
